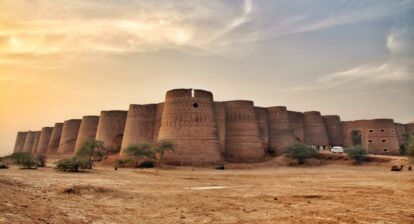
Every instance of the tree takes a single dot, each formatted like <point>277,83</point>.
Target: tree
<point>140,150</point>
<point>357,153</point>
<point>73,164</point>
<point>25,159</point>
<point>301,152</point>
<point>3,165</point>
<point>356,137</point>
<point>122,162</point>
<point>410,148</point>
<point>161,148</point>
<point>41,160</point>
<point>92,151</point>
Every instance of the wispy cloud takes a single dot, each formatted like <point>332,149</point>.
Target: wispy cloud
<point>397,67</point>
<point>39,27</point>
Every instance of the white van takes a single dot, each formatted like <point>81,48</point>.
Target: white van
<point>337,149</point>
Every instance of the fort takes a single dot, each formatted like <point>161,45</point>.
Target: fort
<point>209,132</point>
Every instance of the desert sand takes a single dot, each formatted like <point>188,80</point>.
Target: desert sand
<point>336,193</point>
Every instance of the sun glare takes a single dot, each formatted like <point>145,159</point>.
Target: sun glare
<point>181,37</point>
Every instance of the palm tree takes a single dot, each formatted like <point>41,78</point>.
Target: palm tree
<point>92,151</point>
<point>161,147</point>
<point>139,150</point>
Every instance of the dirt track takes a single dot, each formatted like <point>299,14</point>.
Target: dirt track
<point>326,194</point>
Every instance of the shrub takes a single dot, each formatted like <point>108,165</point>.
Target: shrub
<point>122,162</point>
<point>161,147</point>
<point>140,150</point>
<point>402,150</point>
<point>410,147</point>
<point>357,153</point>
<point>219,166</point>
<point>25,159</point>
<point>41,160</point>
<point>3,166</point>
<point>301,152</point>
<point>72,164</point>
<point>356,137</point>
<point>91,150</point>
<point>147,164</point>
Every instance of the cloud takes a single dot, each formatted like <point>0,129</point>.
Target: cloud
<point>397,67</point>
<point>359,76</point>
<point>40,27</point>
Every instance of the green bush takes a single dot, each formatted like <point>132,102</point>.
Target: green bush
<point>123,162</point>
<point>3,166</point>
<point>357,153</point>
<point>41,160</point>
<point>410,147</point>
<point>73,164</point>
<point>140,150</point>
<point>147,164</point>
<point>24,159</point>
<point>219,166</point>
<point>92,151</point>
<point>301,152</point>
<point>402,150</point>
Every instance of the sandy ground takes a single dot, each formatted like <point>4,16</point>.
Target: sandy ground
<point>273,194</point>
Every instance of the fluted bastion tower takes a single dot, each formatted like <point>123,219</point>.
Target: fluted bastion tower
<point>333,129</point>
<point>157,123</point>
<point>87,130</point>
<point>139,126</point>
<point>189,121</point>
<point>111,128</point>
<point>28,144</point>
<point>36,142</point>
<point>280,133</point>
<point>20,140</point>
<point>262,122</point>
<point>296,123</point>
<point>220,112</point>
<point>53,145</point>
<point>243,142</point>
<point>44,140</point>
<point>315,132</point>
<point>409,128</point>
<point>69,136</point>
<point>207,132</point>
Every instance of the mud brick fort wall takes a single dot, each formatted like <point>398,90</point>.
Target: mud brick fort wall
<point>209,132</point>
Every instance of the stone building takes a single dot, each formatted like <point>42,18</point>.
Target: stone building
<point>87,130</point>
<point>54,141</point>
<point>111,129</point>
<point>207,132</point>
<point>378,136</point>
<point>188,119</point>
<point>44,140</point>
<point>69,136</point>
<point>20,140</point>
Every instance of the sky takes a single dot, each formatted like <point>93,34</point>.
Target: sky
<point>61,60</point>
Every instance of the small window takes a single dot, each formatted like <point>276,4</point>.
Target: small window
<point>385,150</point>
<point>382,130</point>
<point>384,140</point>
<point>392,130</point>
<point>370,141</point>
<point>195,105</point>
<point>371,130</point>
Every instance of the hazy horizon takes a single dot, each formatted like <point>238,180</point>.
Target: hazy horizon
<point>62,60</point>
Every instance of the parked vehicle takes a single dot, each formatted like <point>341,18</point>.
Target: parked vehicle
<point>337,149</point>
